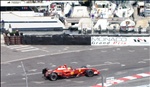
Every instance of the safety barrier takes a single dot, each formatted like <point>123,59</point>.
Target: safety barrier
<point>63,39</point>
<point>56,40</point>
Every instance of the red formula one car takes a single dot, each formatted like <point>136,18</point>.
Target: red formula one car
<point>65,71</point>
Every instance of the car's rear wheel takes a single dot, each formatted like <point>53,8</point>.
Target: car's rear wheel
<point>89,73</point>
<point>53,76</point>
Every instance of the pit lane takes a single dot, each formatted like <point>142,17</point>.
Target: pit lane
<point>115,61</point>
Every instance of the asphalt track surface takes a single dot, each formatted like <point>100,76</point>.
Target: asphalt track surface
<point>112,61</point>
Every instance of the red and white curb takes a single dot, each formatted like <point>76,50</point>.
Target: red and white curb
<point>124,79</point>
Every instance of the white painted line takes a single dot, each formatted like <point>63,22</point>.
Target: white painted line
<point>118,81</point>
<point>15,47</point>
<point>32,70</point>
<point>130,77</point>
<point>53,66</point>
<point>19,66</point>
<point>123,65</point>
<point>44,50</point>
<point>40,63</point>
<point>24,48</point>
<point>74,62</point>
<point>10,74</point>
<point>23,78</point>
<point>105,84</point>
<point>29,74</point>
<point>62,52</point>
<point>141,62</point>
<point>30,50</point>
<point>104,69</point>
<point>108,62</point>
<point>145,48</point>
<point>78,81</point>
<point>143,74</point>
<point>131,50</point>
<point>38,82</point>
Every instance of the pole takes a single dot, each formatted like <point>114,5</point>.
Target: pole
<point>25,74</point>
<point>102,80</point>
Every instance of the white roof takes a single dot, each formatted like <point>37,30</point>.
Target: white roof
<point>21,3</point>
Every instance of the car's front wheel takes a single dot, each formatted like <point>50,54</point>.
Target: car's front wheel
<point>53,76</point>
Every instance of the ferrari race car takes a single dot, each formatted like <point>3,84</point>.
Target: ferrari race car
<point>65,71</point>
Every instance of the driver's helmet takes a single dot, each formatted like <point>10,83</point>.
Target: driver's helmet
<point>69,68</point>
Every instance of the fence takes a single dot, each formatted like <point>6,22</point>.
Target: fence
<point>63,39</point>
<point>48,40</point>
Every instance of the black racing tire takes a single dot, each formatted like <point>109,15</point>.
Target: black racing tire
<point>83,66</point>
<point>53,76</point>
<point>89,73</point>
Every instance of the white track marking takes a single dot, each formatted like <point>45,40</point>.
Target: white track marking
<point>141,62</point>
<point>38,82</point>
<point>44,50</point>
<point>144,75</point>
<point>53,65</point>
<point>33,73</point>
<point>131,50</point>
<point>78,81</point>
<point>32,70</point>
<point>15,47</point>
<point>23,78</point>
<point>106,69</point>
<point>74,62</point>
<point>19,66</point>
<point>123,65</point>
<point>62,52</point>
<point>103,51</point>
<point>108,62</point>
<point>130,77</point>
<point>30,50</point>
<point>25,48</point>
<point>10,74</point>
<point>40,63</point>
<point>145,48</point>
<point>118,81</point>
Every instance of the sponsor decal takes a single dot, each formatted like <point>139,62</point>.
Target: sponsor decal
<point>108,40</point>
<point>140,41</point>
<point>121,41</point>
